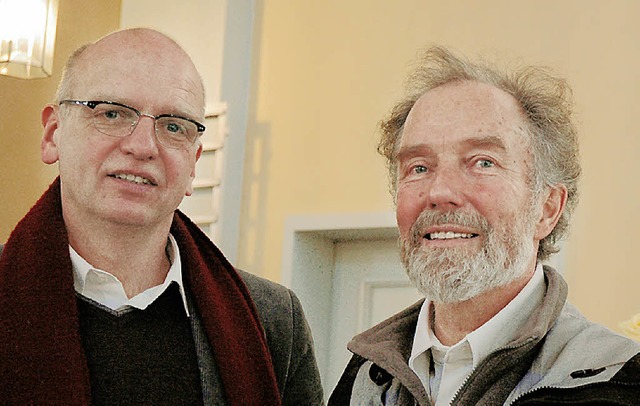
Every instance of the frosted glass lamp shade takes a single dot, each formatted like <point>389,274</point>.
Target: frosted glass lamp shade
<point>27,37</point>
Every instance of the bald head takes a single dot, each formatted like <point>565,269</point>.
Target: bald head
<point>135,50</point>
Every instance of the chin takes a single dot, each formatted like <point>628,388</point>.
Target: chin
<point>131,217</point>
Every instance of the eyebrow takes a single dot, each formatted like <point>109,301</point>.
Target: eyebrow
<point>488,142</point>
<point>412,151</point>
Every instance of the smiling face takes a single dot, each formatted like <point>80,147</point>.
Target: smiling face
<point>465,209</point>
<point>129,180</point>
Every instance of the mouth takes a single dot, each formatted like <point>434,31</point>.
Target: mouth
<point>449,235</point>
<point>139,180</point>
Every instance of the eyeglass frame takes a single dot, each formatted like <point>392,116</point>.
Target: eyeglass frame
<point>92,104</point>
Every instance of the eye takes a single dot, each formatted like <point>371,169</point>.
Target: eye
<point>174,127</point>
<point>414,171</point>
<point>485,163</point>
<point>111,114</point>
<point>415,168</point>
<point>419,169</point>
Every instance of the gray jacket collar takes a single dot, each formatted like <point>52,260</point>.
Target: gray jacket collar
<point>571,343</point>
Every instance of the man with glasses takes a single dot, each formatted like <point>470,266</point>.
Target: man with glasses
<point>108,294</point>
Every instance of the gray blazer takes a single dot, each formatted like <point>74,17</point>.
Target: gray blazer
<point>289,339</point>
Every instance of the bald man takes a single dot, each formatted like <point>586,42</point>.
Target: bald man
<point>108,293</point>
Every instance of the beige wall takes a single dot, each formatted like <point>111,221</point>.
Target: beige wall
<point>23,177</point>
<point>325,73</point>
<point>202,41</point>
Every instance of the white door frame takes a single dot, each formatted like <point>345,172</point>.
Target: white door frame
<point>308,263</point>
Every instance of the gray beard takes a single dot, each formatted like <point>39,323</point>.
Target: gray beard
<point>449,275</point>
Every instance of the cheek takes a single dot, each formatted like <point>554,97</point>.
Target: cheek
<point>408,209</point>
<point>502,206</point>
<point>76,156</point>
<point>181,169</point>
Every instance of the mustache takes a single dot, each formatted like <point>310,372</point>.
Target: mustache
<point>429,218</point>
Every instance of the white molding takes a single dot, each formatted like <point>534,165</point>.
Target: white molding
<point>308,263</point>
<point>335,227</point>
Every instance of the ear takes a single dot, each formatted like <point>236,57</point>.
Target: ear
<point>552,208</point>
<point>193,171</point>
<point>49,144</point>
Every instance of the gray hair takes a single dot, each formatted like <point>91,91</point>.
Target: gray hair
<point>546,102</point>
<point>65,87</point>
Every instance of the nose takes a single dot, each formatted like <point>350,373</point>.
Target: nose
<point>446,190</point>
<point>141,143</point>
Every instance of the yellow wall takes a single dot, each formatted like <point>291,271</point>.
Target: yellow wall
<point>23,177</point>
<point>325,73</point>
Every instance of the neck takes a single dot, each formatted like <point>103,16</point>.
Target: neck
<point>136,255</point>
<point>453,321</point>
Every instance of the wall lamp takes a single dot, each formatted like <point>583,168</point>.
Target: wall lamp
<point>27,37</point>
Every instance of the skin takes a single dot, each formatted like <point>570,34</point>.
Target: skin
<point>463,148</point>
<point>116,225</point>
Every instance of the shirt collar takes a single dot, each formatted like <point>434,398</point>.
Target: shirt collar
<point>505,326</point>
<point>495,333</point>
<point>106,289</point>
<point>423,338</point>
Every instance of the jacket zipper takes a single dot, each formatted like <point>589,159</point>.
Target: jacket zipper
<point>463,387</point>
<point>534,390</point>
<point>581,386</point>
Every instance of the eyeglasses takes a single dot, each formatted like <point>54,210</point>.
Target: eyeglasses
<point>119,120</point>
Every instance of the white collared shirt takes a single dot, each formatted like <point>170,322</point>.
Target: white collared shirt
<point>106,289</point>
<point>452,365</point>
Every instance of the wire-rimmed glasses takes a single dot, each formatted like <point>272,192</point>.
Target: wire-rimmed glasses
<point>119,120</point>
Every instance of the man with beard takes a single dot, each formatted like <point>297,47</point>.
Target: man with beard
<point>484,170</point>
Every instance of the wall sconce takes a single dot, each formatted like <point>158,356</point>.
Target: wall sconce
<point>27,37</point>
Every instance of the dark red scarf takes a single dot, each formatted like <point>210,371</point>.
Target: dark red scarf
<point>41,354</point>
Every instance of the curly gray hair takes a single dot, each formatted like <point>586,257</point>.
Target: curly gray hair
<point>546,101</point>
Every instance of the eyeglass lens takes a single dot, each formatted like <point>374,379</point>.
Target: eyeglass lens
<point>120,121</point>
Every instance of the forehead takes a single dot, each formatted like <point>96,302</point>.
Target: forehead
<point>148,72</point>
<point>463,111</point>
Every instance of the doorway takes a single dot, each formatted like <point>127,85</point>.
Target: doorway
<point>347,273</point>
